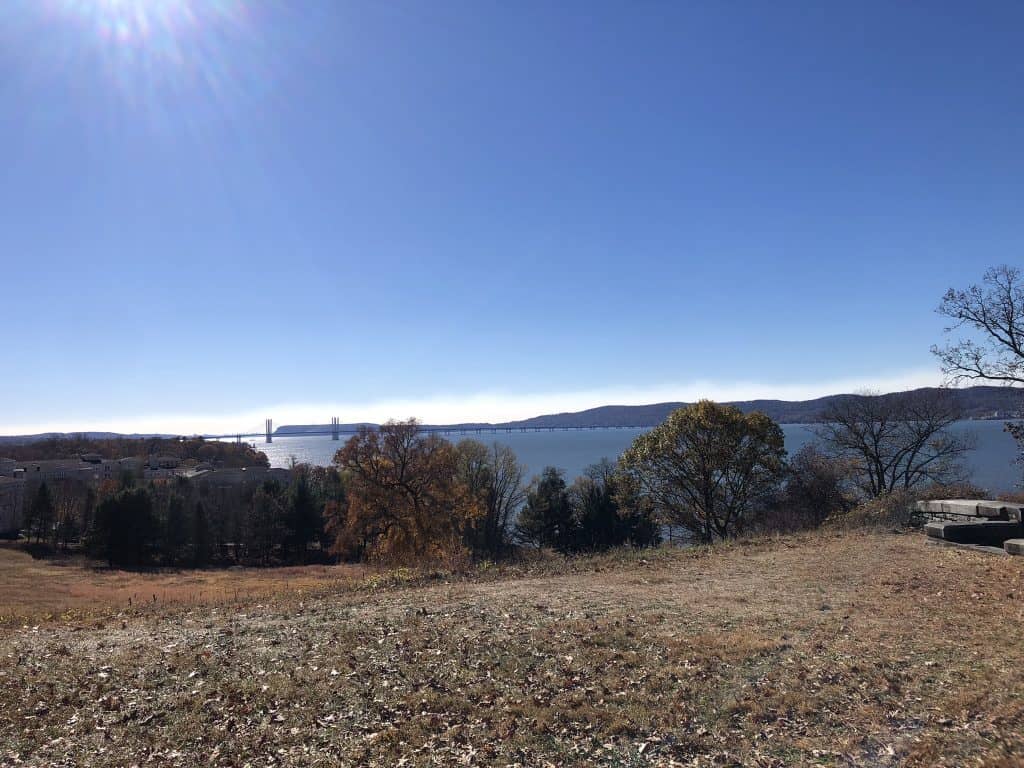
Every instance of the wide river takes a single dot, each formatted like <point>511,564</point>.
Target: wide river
<point>991,463</point>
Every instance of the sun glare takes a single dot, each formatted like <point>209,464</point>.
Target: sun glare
<point>147,22</point>
<point>171,61</point>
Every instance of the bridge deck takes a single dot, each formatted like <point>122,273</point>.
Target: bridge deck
<point>342,430</point>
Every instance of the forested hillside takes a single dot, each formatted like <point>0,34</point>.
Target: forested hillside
<point>70,447</point>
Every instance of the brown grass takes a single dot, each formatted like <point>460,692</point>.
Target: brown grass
<point>33,591</point>
<point>825,649</point>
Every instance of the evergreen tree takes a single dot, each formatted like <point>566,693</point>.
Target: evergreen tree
<point>598,525</point>
<point>305,514</point>
<point>266,528</point>
<point>176,533</point>
<point>607,514</point>
<point>547,518</point>
<point>126,530</point>
<point>202,547</point>
<point>88,510</point>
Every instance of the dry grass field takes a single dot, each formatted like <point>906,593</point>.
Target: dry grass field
<point>42,590</point>
<point>869,649</point>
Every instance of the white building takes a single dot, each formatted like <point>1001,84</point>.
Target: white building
<point>12,504</point>
<point>242,476</point>
<point>95,470</point>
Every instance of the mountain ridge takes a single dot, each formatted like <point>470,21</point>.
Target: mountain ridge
<point>975,402</point>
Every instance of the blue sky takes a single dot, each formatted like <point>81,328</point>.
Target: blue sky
<point>216,211</point>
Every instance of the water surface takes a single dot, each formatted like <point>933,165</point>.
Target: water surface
<point>991,463</point>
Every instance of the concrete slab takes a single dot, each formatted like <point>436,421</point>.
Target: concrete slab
<point>1003,510</point>
<point>1014,546</point>
<point>929,507</point>
<point>986,532</point>
<point>963,507</point>
<point>969,547</point>
<point>986,508</point>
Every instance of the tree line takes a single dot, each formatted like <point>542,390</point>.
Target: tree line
<point>181,523</point>
<point>397,494</point>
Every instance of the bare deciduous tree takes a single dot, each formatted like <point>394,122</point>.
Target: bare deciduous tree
<point>897,441</point>
<point>494,476</point>
<point>992,315</point>
<point>68,503</point>
<point>506,495</point>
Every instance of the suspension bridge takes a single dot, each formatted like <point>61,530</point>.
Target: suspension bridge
<point>336,429</point>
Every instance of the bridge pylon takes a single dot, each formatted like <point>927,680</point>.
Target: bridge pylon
<point>270,430</point>
<point>335,428</point>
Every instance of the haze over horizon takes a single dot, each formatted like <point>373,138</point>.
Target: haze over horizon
<point>220,211</point>
<point>492,407</point>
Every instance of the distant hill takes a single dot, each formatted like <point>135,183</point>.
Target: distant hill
<point>981,402</point>
<point>23,439</point>
<point>974,402</point>
<point>220,454</point>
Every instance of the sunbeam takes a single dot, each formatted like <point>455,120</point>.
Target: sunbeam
<point>161,27</point>
<point>172,64</point>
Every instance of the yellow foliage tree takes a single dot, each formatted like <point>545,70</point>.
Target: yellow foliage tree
<point>404,500</point>
<point>707,467</point>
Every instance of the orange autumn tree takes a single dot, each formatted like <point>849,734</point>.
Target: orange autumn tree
<point>404,501</point>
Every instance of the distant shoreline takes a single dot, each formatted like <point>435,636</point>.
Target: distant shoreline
<point>979,403</point>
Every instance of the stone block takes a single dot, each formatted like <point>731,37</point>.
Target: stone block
<point>990,533</point>
<point>1002,510</point>
<point>986,508</point>
<point>929,507</point>
<point>960,506</point>
<point>1014,546</point>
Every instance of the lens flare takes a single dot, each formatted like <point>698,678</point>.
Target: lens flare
<point>145,23</point>
<point>170,61</point>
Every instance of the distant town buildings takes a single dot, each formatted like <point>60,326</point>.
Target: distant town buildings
<point>75,469</point>
<point>12,502</point>
<point>242,476</point>
<point>996,415</point>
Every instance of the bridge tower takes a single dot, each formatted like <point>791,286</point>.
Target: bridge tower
<point>335,428</point>
<point>270,430</point>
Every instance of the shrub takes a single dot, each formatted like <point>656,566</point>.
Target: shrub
<point>817,486</point>
<point>891,510</point>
